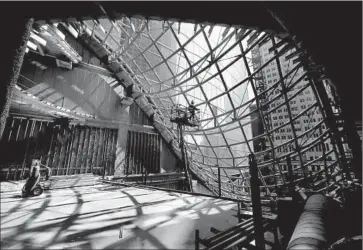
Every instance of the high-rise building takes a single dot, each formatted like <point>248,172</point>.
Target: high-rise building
<point>289,116</point>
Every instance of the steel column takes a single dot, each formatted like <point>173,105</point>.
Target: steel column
<point>256,203</point>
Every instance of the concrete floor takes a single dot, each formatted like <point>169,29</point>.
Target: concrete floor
<point>92,218</point>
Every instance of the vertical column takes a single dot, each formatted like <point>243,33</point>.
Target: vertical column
<point>290,177</point>
<point>53,162</point>
<point>143,157</point>
<point>113,151</point>
<point>90,150</point>
<point>48,161</point>
<point>95,149</point>
<point>99,149</point>
<point>17,35</point>
<point>104,152</point>
<point>85,150</point>
<point>74,148</point>
<point>79,155</point>
<point>219,182</point>
<point>150,152</point>
<point>157,153</point>
<point>256,203</point>
<point>68,147</point>
<point>127,155</point>
<point>327,177</point>
<point>136,152</point>
<point>27,137</point>
<point>132,152</point>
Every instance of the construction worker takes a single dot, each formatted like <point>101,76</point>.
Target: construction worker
<point>34,176</point>
<point>192,110</point>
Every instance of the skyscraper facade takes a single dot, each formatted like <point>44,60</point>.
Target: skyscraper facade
<point>294,113</point>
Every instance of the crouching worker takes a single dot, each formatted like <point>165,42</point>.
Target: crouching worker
<point>32,185</point>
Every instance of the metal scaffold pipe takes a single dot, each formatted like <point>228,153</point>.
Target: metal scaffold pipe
<point>311,231</point>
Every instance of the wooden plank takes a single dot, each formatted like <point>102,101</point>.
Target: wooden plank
<point>95,149</point>
<point>37,137</point>
<point>90,150</point>
<point>80,151</point>
<point>74,150</point>
<point>18,128</point>
<point>30,128</point>
<point>104,152</point>
<point>85,150</point>
<point>138,152</point>
<point>127,154</point>
<point>75,153</point>
<point>154,150</point>
<point>57,144</point>
<point>68,149</point>
<point>99,150</point>
<point>7,129</point>
<point>63,148</point>
<point>51,146</point>
<point>114,149</point>
<point>132,152</point>
<point>11,130</point>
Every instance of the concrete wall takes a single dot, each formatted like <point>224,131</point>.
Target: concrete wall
<point>83,91</point>
<point>86,92</point>
<point>168,161</point>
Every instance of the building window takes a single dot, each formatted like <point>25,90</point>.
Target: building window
<point>311,158</point>
<point>296,122</point>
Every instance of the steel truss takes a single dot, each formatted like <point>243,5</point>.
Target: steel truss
<point>214,65</point>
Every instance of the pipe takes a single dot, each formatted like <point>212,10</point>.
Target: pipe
<point>311,231</point>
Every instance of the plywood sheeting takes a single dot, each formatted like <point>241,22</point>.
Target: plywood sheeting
<point>143,153</point>
<point>76,150</point>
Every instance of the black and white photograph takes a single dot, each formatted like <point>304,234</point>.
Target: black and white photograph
<point>179,125</point>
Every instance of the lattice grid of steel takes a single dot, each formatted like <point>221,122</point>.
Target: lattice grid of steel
<point>256,93</point>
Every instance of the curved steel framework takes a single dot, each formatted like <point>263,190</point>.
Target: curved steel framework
<point>256,94</point>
